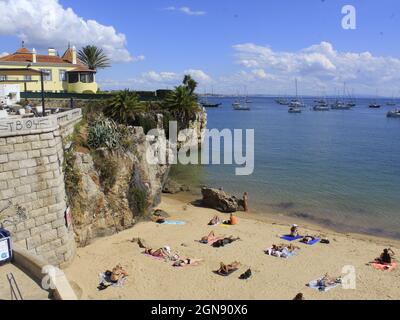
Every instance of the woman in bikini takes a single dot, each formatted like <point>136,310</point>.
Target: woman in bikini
<point>209,238</point>
<point>159,253</point>
<point>186,262</point>
<point>214,221</point>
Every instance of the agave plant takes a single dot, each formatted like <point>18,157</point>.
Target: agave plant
<point>124,107</point>
<point>103,133</point>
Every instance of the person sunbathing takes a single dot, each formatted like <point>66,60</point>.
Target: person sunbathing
<point>214,221</point>
<point>307,239</point>
<point>228,269</point>
<point>164,252</point>
<point>209,238</point>
<point>327,281</point>
<point>118,273</point>
<point>225,241</point>
<point>281,251</point>
<point>386,257</point>
<point>186,262</point>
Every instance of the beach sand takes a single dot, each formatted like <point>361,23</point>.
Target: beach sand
<point>273,278</point>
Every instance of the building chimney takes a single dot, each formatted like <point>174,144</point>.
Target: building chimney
<point>74,59</point>
<point>52,52</point>
<point>34,55</point>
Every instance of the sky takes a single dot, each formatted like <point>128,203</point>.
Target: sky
<point>241,46</point>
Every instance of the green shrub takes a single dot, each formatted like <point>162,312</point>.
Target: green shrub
<point>138,200</point>
<point>107,169</point>
<point>103,133</point>
<point>88,92</point>
<point>72,175</point>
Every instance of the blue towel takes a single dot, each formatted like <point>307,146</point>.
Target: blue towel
<point>290,238</point>
<point>313,242</point>
<point>176,223</point>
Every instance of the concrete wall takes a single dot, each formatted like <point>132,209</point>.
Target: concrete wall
<point>32,177</point>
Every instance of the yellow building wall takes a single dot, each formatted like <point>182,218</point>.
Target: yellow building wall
<point>54,85</point>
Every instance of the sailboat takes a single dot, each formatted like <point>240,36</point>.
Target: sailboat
<point>375,105</point>
<point>295,104</point>
<point>206,104</point>
<point>238,106</point>
<point>391,102</point>
<point>394,114</point>
<point>342,105</point>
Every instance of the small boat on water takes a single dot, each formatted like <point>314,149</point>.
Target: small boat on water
<point>391,103</point>
<point>321,107</point>
<point>374,106</point>
<point>294,110</point>
<point>210,105</point>
<point>394,114</point>
<point>339,105</point>
<point>296,104</point>
<point>239,107</point>
<point>282,102</point>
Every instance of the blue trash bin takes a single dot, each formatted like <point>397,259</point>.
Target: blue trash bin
<point>5,246</point>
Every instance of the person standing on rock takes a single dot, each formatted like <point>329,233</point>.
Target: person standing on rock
<point>246,202</point>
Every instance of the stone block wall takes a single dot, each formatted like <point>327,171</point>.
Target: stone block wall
<point>32,177</point>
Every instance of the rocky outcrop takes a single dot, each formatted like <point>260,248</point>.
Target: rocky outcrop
<point>136,190</point>
<point>195,133</point>
<point>219,200</point>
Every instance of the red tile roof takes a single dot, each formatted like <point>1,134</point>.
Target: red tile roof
<point>24,55</point>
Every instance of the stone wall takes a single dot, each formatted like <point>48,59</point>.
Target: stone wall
<point>32,178</point>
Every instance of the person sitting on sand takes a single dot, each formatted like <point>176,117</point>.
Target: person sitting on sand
<point>214,221</point>
<point>294,232</point>
<point>118,273</point>
<point>228,269</point>
<point>307,239</point>
<point>233,220</point>
<point>186,262</point>
<point>386,257</point>
<point>225,241</point>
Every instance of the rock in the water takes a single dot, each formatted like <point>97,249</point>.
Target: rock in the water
<point>172,187</point>
<point>219,200</point>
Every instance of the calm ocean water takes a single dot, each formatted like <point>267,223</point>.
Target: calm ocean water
<point>336,168</point>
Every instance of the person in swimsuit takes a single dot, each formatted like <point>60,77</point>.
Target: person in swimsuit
<point>186,262</point>
<point>214,221</point>
<point>307,239</point>
<point>386,257</point>
<point>227,269</point>
<point>208,238</point>
<point>118,273</point>
<point>294,232</point>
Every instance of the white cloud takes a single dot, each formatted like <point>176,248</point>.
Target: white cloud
<point>153,80</point>
<point>187,11</point>
<point>317,66</point>
<point>4,54</point>
<point>44,23</point>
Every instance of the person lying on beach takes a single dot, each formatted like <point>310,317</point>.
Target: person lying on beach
<point>281,251</point>
<point>386,257</point>
<point>214,221</point>
<point>209,238</point>
<point>232,220</point>
<point>327,281</point>
<point>118,273</point>
<point>294,231</point>
<point>226,270</point>
<point>307,239</point>
<point>224,242</point>
<point>164,252</point>
<point>186,262</point>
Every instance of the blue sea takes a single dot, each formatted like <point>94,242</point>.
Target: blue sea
<point>340,168</point>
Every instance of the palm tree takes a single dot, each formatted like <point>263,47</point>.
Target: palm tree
<point>182,102</point>
<point>93,57</point>
<point>124,107</point>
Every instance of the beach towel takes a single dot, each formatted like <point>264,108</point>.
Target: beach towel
<point>311,243</point>
<point>384,267</point>
<point>290,238</point>
<point>315,285</point>
<point>225,225</point>
<point>153,257</point>
<point>175,223</point>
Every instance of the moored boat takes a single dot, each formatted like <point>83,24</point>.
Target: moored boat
<point>394,114</point>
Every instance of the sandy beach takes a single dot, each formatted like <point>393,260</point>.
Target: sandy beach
<point>273,278</point>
